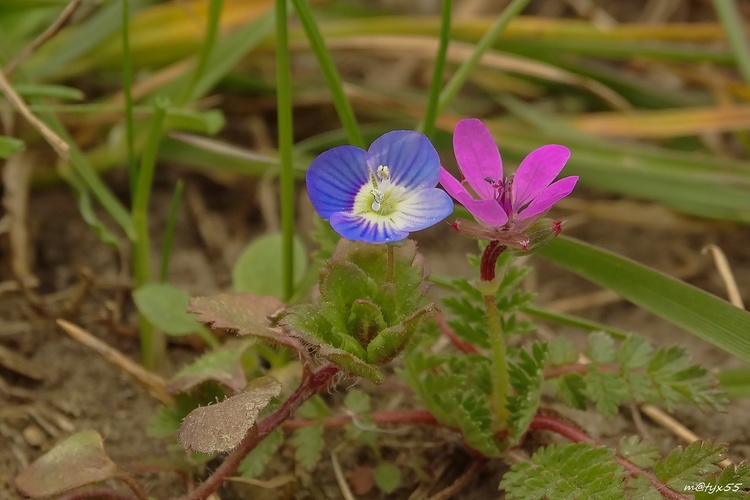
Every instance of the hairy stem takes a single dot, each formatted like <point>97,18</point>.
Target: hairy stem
<point>390,264</point>
<point>499,374</point>
<point>317,382</point>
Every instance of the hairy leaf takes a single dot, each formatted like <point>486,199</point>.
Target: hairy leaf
<point>222,365</point>
<point>641,453</point>
<point>683,467</point>
<point>219,428</point>
<point>76,461</point>
<point>562,471</point>
<point>526,377</point>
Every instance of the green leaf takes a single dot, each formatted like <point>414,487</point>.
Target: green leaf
<point>688,467</point>
<point>732,484</point>
<point>572,390</point>
<point>314,408</point>
<point>601,348</point>
<point>561,351</point>
<point>258,269</point>
<point>699,312</point>
<point>387,477</point>
<point>309,444</point>
<point>255,462</point>
<point>633,353</point>
<point>606,389</point>
<point>562,471</point>
<point>222,365</point>
<point>526,377</point>
<point>357,401</point>
<point>165,306</point>
<point>638,452</point>
<point>45,90</point>
<point>10,146</point>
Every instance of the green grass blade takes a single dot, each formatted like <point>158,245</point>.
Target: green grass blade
<point>702,314</point>
<point>427,126</point>
<point>212,29</point>
<point>166,252</point>
<point>732,19</point>
<point>127,84</point>
<point>464,71</point>
<point>10,145</point>
<point>286,145</point>
<point>331,74</point>
<point>736,381</point>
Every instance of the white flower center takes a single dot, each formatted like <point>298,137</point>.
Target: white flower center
<point>379,197</point>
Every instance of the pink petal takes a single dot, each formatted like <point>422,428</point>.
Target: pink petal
<point>488,211</point>
<point>478,157</point>
<point>536,172</point>
<point>549,197</point>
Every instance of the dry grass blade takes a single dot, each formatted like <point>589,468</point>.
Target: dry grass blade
<point>722,265</point>
<point>18,364</point>
<point>61,147</point>
<point>151,381</point>
<point>269,484</point>
<point>16,175</point>
<point>44,36</point>
<point>458,52</point>
<point>346,492</point>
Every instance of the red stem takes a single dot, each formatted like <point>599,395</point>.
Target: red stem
<point>318,381</point>
<point>457,341</point>
<point>489,259</point>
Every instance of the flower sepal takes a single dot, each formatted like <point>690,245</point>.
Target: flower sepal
<point>538,234</point>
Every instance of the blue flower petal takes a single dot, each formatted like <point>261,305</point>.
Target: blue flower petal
<point>335,177</point>
<point>422,210</point>
<point>367,229</point>
<point>410,157</point>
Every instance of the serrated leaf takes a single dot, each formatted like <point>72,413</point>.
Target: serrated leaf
<point>258,269</point>
<point>256,461</point>
<point>732,484</point>
<point>634,352</point>
<point>220,427</point>
<point>308,446</point>
<point>561,351</point>
<point>165,307</point>
<point>245,314</point>
<point>601,348</point>
<point>526,377</point>
<point>387,477</point>
<point>572,390</point>
<point>606,389</point>
<point>683,467</point>
<point>222,365</point>
<point>563,471</point>
<point>357,401</point>
<point>638,452</point>
<point>76,461</point>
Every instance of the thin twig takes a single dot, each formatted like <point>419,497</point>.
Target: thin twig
<point>46,35</point>
<point>153,382</point>
<point>346,492</point>
<point>462,481</point>
<point>722,265</point>
<point>60,146</point>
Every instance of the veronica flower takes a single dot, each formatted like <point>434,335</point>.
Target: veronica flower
<point>382,194</point>
<point>505,208</point>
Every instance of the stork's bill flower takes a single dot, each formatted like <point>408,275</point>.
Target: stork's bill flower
<point>506,208</point>
<point>382,194</point>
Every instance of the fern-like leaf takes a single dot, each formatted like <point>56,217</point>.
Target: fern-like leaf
<point>308,446</point>
<point>562,471</point>
<point>689,466</point>
<point>255,462</point>
<point>526,377</point>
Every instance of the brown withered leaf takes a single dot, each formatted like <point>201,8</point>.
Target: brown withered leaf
<point>220,427</point>
<point>245,314</point>
<point>75,461</point>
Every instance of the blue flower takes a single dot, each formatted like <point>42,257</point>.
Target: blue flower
<point>382,194</point>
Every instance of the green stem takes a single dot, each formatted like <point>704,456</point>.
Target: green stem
<point>427,126</point>
<point>463,71</point>
<point>153,343</point>
<point>331,74</point>
<point>166,251</point>
<point>285,133</point>
<point>212,28</point>
<point>127,81</point>
<point>730,17</point>
<point>500,382</point>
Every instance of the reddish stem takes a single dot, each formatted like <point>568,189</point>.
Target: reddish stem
<point>383,418</point>
<point>318,381</point>
<point>489,259</point>
<point>457,341</point>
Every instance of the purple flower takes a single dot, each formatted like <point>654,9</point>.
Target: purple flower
<point>382,194</point>
<point>504,207</point>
